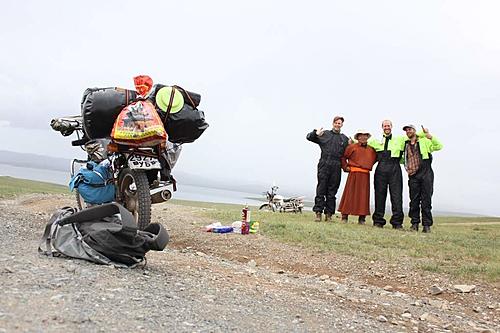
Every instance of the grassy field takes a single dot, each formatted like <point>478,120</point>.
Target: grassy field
<point>465,247</point>
<point>461,246</point>
<point>10,186</point>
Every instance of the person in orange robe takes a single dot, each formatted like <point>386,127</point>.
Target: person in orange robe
<point>358,160</point>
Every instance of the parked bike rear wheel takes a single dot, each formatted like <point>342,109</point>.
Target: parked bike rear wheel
<point>133,186</point>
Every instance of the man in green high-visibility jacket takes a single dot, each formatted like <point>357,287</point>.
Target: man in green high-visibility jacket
<point>417,159</point>
<point>388,176</point>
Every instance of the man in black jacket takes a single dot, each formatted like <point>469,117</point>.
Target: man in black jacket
<point>332,144</point>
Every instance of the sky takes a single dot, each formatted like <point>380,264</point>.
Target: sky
<point>269,72</point>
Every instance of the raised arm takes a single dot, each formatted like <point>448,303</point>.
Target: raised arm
<point>314,135</point>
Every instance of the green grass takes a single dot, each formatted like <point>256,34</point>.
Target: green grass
<point>10,187</point>
<point>210,205</point>
<point>460,246</point>
<point>466,247</point>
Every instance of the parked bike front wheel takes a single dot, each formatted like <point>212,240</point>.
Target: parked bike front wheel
<point>133,186</point>
<point>80,203</point>
<point>267,207</point>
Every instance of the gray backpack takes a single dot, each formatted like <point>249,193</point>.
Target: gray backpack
<point>105,234</point>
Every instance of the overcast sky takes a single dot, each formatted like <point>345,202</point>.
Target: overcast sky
<point>269,72</point>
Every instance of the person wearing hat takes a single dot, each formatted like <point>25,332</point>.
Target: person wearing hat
<point>417,160</point>
<point>358,160</point>
<point>332,144</point>
<point>388,176</point>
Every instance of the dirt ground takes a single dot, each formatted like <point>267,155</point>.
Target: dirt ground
<point>205,282</point>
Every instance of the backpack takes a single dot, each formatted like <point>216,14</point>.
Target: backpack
<point>105,234</point>
<point>94,183</point>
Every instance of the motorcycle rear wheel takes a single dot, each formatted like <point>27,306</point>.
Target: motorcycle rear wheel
<point>79,200</point>
<point>133,186</point>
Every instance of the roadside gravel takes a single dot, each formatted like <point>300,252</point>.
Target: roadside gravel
<point>206,282</point>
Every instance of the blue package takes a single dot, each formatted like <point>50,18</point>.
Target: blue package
<point>222,229</point>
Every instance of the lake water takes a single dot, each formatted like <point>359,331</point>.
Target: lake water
<point>184,191</point>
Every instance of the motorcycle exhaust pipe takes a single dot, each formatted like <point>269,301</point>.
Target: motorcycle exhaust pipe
<point>159,195</point>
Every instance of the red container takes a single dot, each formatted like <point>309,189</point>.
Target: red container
<point>245,219</point>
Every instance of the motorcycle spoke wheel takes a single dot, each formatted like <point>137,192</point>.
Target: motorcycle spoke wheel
<point>134,192</point>
<point>79,200</point>
<point>267,208</point>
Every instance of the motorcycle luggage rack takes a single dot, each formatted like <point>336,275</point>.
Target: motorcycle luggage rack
<point>134,150</point>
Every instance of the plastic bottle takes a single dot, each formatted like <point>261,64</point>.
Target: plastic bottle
<point>236,227</point>
<point>245,219</point>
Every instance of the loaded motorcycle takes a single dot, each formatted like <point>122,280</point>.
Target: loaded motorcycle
<point>134,170</point>
<point>276,202</point>
<point>134,138</point>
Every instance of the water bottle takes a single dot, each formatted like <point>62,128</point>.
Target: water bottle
<point>245,219</point>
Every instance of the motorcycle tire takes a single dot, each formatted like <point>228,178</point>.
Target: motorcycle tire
<point>79,200</point>
<point>133,186</point>
<point>267,207</point>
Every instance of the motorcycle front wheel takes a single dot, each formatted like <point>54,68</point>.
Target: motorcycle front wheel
<point>267,207</point>
<point>133,186</point>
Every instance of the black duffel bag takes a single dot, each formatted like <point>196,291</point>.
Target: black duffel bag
<point>191,98</point>
<point>104,234</point>
<point>184,126</point>
<point>101,107</point>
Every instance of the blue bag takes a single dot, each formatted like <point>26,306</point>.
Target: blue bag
<point>93,183</point>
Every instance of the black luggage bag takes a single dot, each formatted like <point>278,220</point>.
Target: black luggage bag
<point>101,107</point>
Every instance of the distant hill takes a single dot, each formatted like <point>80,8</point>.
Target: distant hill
<point>34,161</point>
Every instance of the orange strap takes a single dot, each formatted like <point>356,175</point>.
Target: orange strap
<point>356,169</point>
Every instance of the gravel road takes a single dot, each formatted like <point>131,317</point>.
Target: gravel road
<point>206,282</point>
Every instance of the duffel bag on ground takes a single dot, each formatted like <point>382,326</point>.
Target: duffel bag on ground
<point>101,106</point>
<point>105,234</point>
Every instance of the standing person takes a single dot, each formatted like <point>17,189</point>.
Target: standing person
<point>417,161</point>
<point>332,144</point>
<point>358,160</point>
<point>388,176</point>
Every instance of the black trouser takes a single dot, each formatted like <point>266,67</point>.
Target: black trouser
<point>421,187</point>
<point>328,184</point>
<point>388,176</point>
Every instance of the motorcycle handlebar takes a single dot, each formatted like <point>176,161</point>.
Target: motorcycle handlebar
<point>80,142</point>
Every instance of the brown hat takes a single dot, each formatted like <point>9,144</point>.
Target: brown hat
<point>409,126</point>
<point>337,118</point>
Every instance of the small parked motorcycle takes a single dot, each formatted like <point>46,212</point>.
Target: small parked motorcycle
<point>276,202</point>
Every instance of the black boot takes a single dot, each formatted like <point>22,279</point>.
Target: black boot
<point>426,229</point>
<point>414,227</point>
<point>318,217</point>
